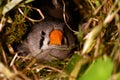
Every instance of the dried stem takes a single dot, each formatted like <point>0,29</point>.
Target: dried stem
<point>64,17</point>
<point>32,20</point>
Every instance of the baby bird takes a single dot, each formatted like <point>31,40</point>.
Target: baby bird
<point>48,41</point>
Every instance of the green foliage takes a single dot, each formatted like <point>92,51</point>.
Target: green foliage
<point>100,69</point>
<point>16,30</point>
<point>70,66</point>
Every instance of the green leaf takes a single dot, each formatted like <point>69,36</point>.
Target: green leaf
<point>75,58</point>
<point>10,5</point>
<point>90,38</point>
<point>28,1</point>
<point>80,34</point>
<point>100,69</point>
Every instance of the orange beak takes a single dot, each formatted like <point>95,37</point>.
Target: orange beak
<point>56,37</point>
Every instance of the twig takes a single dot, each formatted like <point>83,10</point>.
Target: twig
<point>23,76</point>
<point>2,23</point>
<point>110,17</point>
<point>55,69</point>
<point>20,74</point>
<point>88,24</point>
<point>98,9</point>
<point>10,48</point>
<point>50,67</point>
<point>35,77</point>
<point>91,4</point>
<point>4,56</point>
<point>27,67</point>
<point>56,4</point>
<point>12,62</point>
<point>64,17</point>
<point>32,20</point>
<point>14,69</point>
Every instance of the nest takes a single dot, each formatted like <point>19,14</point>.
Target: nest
<point>95,24</point>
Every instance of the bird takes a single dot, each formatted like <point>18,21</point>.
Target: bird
<point>48,41</point>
